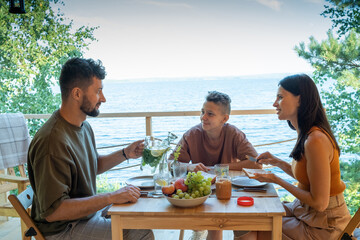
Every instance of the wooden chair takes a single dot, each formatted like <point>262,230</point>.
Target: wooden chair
<point>349,229</point>
<point>14,142</point>
<point>21,203</point>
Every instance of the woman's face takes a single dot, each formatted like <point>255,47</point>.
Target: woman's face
<point>212,116</point>
<point>286,105</point>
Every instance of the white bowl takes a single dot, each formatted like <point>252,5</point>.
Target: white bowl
<point>187,202</point>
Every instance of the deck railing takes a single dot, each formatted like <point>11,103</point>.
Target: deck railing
<point>148,116</point>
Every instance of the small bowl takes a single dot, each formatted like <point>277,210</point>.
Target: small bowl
<point>187,202</point>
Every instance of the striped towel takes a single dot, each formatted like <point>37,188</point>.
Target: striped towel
<point>14,140</point>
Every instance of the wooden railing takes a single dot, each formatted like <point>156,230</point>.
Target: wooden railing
<point>149,115</point>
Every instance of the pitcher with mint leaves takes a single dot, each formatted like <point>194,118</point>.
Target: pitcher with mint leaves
<point>154,158</point>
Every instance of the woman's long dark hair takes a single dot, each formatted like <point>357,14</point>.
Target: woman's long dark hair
<point>310,112</point>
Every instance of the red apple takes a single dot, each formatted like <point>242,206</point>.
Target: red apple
<point>179,184</point>
<point>168,190</point>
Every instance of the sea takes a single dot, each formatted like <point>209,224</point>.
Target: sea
<point>188,94</point>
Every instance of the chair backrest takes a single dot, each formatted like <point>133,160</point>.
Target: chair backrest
<point>349,229</point>
<point>21,203</point>
<point>14,140</point>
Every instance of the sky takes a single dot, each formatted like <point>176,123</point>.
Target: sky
<point>198,38</point>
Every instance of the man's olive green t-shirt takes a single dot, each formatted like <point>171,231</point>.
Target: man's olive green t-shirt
<point>62,164</point>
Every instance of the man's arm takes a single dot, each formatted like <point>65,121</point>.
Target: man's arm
<point>76,208</point>
<point>106,162</point>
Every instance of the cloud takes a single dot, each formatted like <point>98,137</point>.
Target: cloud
<point>167,4</point>
<point>273,4</point>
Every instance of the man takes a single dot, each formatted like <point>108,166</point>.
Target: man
<point>63,163</point>
<point>214,141</point>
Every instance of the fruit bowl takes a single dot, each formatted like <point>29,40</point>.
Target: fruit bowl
<point>187,202</point>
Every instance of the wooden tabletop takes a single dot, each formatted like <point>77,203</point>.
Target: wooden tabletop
<point>212,206</point>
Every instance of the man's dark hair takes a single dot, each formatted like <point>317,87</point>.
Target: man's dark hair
<point>78,72</point>
<point>220,99</point>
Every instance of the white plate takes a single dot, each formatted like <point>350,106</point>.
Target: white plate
<point>146,181</point>
<point>187,202</point>
<point>246,182</point>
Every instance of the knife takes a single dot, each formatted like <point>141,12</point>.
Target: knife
<point>249,189</point>
<point>251,158</point>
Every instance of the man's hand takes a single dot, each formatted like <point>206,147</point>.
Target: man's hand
<point>197,167</point>
<point>126,194</point>
<point>135,149</point>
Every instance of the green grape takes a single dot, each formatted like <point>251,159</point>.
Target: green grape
<point>201,188</point>
<point>206,192</point>
<point>175,196</point>
<point>193,195</point>
<point>181,195</point>
<point>179,191</point>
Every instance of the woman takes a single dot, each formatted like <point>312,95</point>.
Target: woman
<point>319,210</point>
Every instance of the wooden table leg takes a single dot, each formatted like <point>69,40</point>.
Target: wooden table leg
<point>116,228</point>
<point>277,228</point>
<point>181,236</point>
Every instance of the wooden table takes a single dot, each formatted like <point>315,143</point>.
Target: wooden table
<point>157,213</point>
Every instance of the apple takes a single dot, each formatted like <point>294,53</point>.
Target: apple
<point>179,184</point>
<point>168,190</point>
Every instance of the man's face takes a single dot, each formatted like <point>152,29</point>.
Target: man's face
<point>92,98</point>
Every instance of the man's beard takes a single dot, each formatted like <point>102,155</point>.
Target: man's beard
<point>86,108</point>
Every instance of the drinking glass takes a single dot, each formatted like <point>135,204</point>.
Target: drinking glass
<point>223,182</point>
<point>160,180</point>
<point>221,170</point>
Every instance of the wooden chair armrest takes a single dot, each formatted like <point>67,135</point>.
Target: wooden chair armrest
<point>13,179</point>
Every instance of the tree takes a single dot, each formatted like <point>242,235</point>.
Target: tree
<point>337,68</point>
<point>345,15</point>
<point>33,47</point>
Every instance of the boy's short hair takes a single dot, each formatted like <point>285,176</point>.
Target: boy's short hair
<point>220,99</point>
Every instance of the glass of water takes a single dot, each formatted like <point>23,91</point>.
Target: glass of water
<point>160,180</point>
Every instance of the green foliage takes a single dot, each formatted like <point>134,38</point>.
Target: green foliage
<point>351,176</point>
<point>338,62</point>
<point>287,198</point>
<point>103,185</point>
<point>345,15</point>
<point>33,47</point>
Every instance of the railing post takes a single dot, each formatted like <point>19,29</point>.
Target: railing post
<point>148,123</point>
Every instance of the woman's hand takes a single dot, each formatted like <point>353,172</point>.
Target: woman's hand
<point>135,149</point>
<point>265,177</point>
<point>268,158</point>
